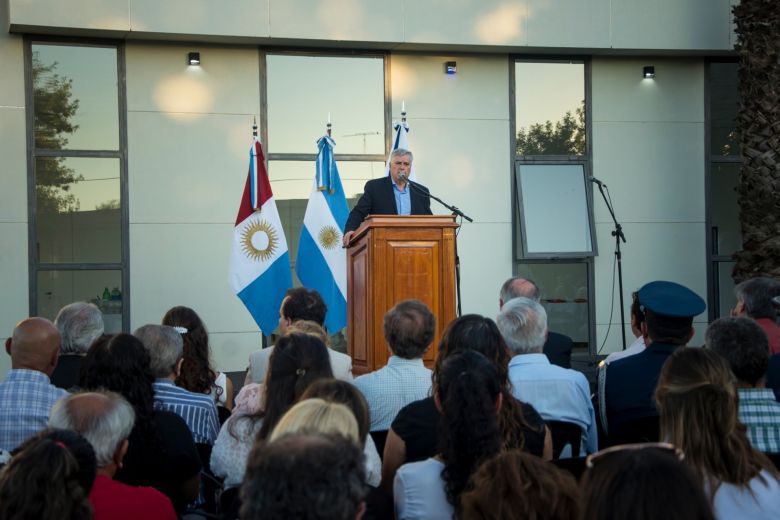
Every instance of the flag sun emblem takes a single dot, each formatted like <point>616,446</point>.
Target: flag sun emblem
<point>259,240</point>
<point>329,237</point>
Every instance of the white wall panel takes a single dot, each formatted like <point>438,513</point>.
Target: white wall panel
<point>236,17</point>
<point>14,305</point>
<point>568,23</point>
<point>111,15</point>
<point>13,175</point>
<point>230,350</point>
<point>486,262</point>
<point>360,20</point>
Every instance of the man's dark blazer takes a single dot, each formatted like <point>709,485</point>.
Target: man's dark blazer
<point>66,373</point>
<point>558,349</point>
<point>378,199</point>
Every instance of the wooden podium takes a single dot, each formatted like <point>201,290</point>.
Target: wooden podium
<point>393,258</point>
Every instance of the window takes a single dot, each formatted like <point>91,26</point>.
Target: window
<point>302,93</point>
<point>554,248</point>
<point>725,235</point>
<point>78,228</point>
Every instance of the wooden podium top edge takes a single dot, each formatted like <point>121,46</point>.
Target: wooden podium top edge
<point>406,221</point>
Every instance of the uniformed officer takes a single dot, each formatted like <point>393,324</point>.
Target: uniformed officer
<point>629,383</point>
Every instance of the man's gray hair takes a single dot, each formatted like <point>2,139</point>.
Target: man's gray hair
<point>757,294</point>
<point>104,418</point>
<point>165,348</point>
<point>400,152</point>
<point>80,324</point>
<point>523,325</point>
<point>516,287</point>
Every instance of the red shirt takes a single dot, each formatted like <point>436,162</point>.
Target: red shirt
<point>772,333</point>
<point>113,500</point>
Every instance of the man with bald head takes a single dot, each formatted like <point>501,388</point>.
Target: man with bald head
<point>27,395</point>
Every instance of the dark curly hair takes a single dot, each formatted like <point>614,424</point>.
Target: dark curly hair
<point>472,332</point>
<point>301,303</point>
<point>49,477</point>
<point>196,373</point>
<point>296,362</point>
<point>467,387</point>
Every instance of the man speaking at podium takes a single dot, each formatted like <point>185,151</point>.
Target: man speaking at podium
<point>390,195</point>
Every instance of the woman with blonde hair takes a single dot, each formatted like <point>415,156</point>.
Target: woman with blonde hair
<point>318,417</point>
<point>698,405</point>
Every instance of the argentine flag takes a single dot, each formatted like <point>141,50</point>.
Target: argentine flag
<point>400,140</point>
<point>322,262</point>
<point>259,261</point>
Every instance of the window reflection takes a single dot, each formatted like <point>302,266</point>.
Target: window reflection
<point>75,97</point>
<point>103,288</point>
<point>303,90</point>
<point>725,210</point>
<point>727,300</point>
<point>723,109</point>
<point>78,211</point>
<point>550,108</point>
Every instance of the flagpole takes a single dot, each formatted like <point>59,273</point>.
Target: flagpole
<point>254,126</point>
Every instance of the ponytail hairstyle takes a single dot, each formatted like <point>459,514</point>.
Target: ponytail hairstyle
<point>467,391</point>
<point>49,477</point>
<point>698,405</point>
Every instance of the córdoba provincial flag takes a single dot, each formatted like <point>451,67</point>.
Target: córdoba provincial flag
<point>400,140</point>
<point>259,262</point>
<point>322,262</point>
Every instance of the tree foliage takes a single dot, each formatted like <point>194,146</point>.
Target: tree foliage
<point>54,108</point>
<point>564,137</point>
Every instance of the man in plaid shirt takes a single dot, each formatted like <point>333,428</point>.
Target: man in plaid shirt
<point>744,344</point>
<point>27,395</point>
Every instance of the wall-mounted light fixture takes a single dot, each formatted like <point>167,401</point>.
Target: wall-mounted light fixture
<point>648,72</point>
<point>193,58</point>
<point>450,67</point>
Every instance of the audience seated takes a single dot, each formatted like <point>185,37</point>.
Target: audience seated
<point>698,404</point>
<point>558,394</point>
<point>80,324</point>
<point>162,453</point>
<point>26,394</point>
<point>317,417</point>
<point>299,304</point>
<point>49,478</point>
<point>196,374</point>
<point>743,344</point>
<point>297,361</point>
<point>630,382</point>
<point>165,347</point>
<point>642,482</point>
<point>754,301</point>
<point>469,395</point>
<point>409,328</point>
<point>337,391</point>
<point>414,433</point>
<point>105,420</point>
<point>517,486</point>
<point>306,477</point>
<point>557,347</point>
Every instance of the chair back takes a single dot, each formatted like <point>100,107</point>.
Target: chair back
<point>644,429</point>
<point>380,438</point>
<point>564,433</point>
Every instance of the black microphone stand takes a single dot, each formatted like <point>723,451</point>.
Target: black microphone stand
<point>618,234</point>
<point>458,213</point>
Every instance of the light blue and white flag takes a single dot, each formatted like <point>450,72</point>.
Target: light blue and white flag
<point>322,262</point>
<point>400,140</point>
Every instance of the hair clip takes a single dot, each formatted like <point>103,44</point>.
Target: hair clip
<point>180,330</point>
<point>300,371</point>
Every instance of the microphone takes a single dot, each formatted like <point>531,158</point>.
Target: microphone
<point>403,177</point>
<point>595,180</point>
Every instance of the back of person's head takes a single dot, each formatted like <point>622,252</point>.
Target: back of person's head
<point>467,391</point>
<point>674,330</point>
<point>743,344</point>
<point>472,332</point>
<point>49,478</point>
<point>338,391</point>
<point>309,327</point>
<point>296,362</point>
<point>105,419</point>
<point>196,374</point>
<point>317,417</point>
<point>301,303</point>
<point>516,486</point>
<point>642,484</point>
<point>306,477</point>
<point>523,324</point>
<point>80,324</point>
<point>698,407</point>
<point>34,345</point>
<point>165,348</point>
<point>409,329</point>
<point>755,295</point>
<point>516,287</point>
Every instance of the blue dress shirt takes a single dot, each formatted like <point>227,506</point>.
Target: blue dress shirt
<point>403,201</point>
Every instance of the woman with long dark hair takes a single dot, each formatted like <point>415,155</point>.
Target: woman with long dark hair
<point>162,453</point>
<point>297,361</point>
<point>413,435</point>
<point>698,405</point>
<point>196,374</point>
<point>468,394</point>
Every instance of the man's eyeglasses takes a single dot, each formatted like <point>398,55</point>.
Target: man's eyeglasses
<point>664,447</point>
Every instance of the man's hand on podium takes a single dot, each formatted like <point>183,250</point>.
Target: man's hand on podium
<point>347,238</point>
